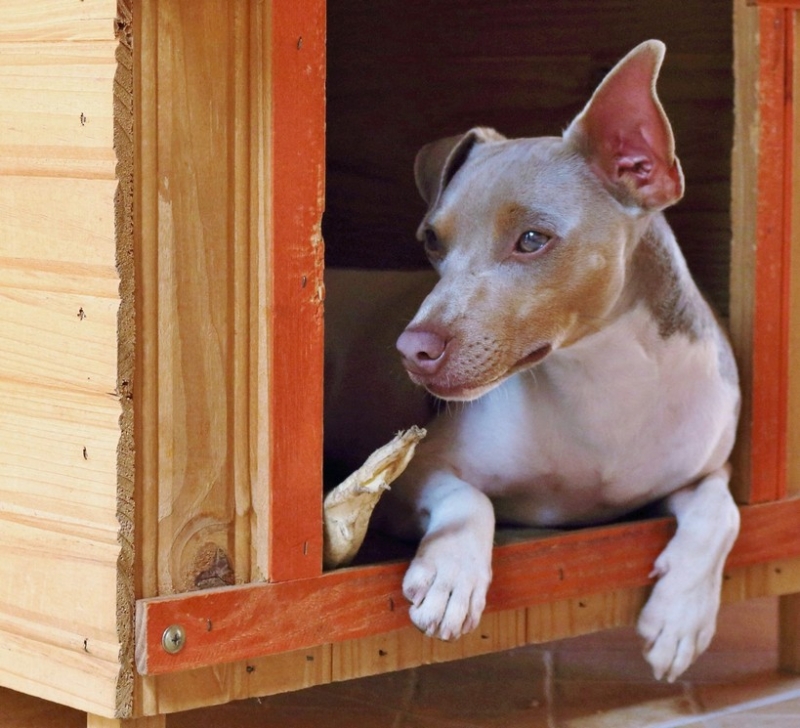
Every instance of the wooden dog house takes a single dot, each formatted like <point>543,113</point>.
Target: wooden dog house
<point>162,183</point>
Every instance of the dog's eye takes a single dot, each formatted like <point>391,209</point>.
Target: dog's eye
<point>432,244</point>
<point>532,241</point>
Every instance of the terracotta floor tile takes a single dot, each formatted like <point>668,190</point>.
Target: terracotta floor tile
<point>23,711</point>
<point>749,694</point>
<point>269,714</point>
<point>780,714</point>
<point>747,625</point>
<point>596,704</point>
<point>392,690</point>
<point>603,664</point>
<point>532,718</point>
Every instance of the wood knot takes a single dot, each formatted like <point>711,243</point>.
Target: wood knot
<point>212,568</point>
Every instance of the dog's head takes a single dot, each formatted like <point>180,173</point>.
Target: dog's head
<point>531,236</point>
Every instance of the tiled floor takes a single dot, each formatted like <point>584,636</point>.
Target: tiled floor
<point>599,681</point>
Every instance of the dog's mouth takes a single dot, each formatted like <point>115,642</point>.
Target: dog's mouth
<point>467,393</point>
<point>533,358</point>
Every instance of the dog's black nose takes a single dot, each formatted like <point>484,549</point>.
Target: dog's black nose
<point>424,351</point>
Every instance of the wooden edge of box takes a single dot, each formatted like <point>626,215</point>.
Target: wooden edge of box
<point>233,623</point>
<point>126,355</point>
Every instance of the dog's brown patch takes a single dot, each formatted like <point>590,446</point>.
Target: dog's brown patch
<point>676,308</point>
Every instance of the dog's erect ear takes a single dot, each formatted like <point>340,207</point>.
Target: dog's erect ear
<point>437,162</point>
<point>625,134</point>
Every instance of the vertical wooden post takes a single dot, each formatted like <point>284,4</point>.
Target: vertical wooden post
<point>297,154</point>
<point>793,424</point>
<point>200,227</point>
<point>789,623</point>
<point>760,262</point>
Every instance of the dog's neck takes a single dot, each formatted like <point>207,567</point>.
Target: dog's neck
<point>658,313</point>
<point>658,278</point>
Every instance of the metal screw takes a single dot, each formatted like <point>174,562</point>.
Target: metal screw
<point>173,639</point>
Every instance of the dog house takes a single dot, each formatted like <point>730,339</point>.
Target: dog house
<point>162,184</point>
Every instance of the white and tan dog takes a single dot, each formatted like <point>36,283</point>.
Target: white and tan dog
<point>597,377</point>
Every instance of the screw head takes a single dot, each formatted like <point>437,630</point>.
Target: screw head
<point>173,639</point>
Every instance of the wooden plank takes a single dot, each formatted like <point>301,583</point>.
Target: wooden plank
<point>744,172</point>
<point>63,92</point>
<point>591,613</point>
<point>388,652</point>
<point>60,672</point>
<point>145,231</point>
<point>57,20</point>
<point>60,422</point>
<point>295,340</point>
<point>198,232</point>
<point>257,676</point>
<point>66,242</point>
<point>368,601</point>
<point>502,630</point>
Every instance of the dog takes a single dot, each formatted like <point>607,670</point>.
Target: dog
<point>594,376</point>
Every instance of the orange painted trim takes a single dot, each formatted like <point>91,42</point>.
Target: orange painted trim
<point>786,4</point>
<point>296,342</point>
<point>770,337</point>
<point>236,623</point>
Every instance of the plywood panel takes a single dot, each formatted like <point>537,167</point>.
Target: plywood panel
<point>56,109</point>
<point>60,418</point>
<point>65,675</point>
<point>45,222</point>
<point>57,20</point>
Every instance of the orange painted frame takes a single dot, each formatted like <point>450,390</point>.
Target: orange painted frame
<point>785,4</point>
<point>773,230</point>
<point>233,623</point>
<point>259,619</point>
<point>297,263</point>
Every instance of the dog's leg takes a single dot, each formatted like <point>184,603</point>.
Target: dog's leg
<point>450,574</point>
<point>679,619</point>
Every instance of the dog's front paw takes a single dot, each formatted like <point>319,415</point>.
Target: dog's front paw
<point>677,624</point>
<point>446,585</point>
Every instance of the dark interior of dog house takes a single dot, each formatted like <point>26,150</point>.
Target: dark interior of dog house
<point>402,74</point>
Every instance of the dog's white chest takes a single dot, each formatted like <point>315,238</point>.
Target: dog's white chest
<point>600,429</point>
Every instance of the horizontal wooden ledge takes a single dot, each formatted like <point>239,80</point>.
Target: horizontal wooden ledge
<point>244,622</point>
